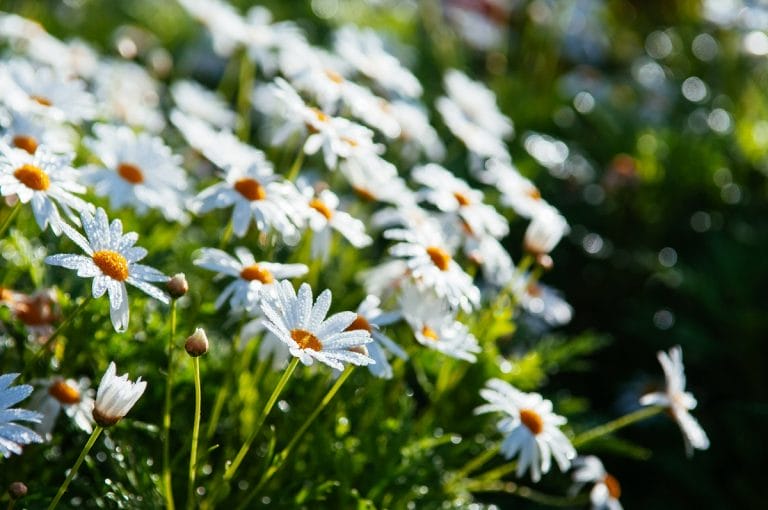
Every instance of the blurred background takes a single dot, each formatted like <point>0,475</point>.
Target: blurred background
<point>646,123</point>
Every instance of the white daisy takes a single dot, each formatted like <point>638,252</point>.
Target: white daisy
<point>370,318</point>
<point>531,429</point>
<point>44,91</point>
<point>116,396</point>
<point>517,192</point>
<point>197,101</point>
<point>28,131</point>
<point>264,39</point>
<point>226,26</point>
<point>44,179</point>
<point>678,400</point>
<point>129,95</point>
<point>74,397</point>
<point>375,179</point>
<point>542,301</point>
<point>544,231</point>
<point>139,170</point>
<point>430,260</point>
<point>258,195</point>
<point>435,326</point>
<point>252,278</point>
<point>323,216</point>
<point>451,194</point>
<point>606,490</point>
<point>478,104</point>
<point>111,260</point>
<point>416,132</point>
<point>494,260</point>
<point>12,435</point>
<point>303,327</point>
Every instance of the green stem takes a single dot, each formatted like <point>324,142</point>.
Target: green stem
<point>613,426</point>
<point>293,172</point>
<point>9,219</point>
<point>281,457</point>
<point>72,472</point>
<point>11,504</point>
<point>61,327</point>
<point>244,90</point>
<point>524,492</point>
<point>474,464</point>
<point>195,435</point>
<point>227,235</point>
<point>167,485</point>
<point>230,471</point>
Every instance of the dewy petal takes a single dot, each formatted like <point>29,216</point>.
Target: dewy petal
<point>335,324</point>
<point>304,305</point>
<point>120,316</point>
<point>149,289</point>
<point>320,310</point>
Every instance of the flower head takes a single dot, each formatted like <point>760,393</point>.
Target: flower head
<point>606,491</point>
<point>303,326</point>
<point>112,261</point>
<point>74,397</point>
<point>12,435</point>
<point>116,396</point>
<point>531,428</point>
<point>678,400</point>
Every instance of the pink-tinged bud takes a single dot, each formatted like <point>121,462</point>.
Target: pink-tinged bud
<point>178,286</point>
<point>197,343</point>
<point>17,490</point>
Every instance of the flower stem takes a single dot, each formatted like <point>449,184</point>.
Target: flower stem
<point>474,464</point>
<point>195,435</point>
<point>50,341</point>
<point>72,472</point>
<point>9,219</point>
<point>524,492</point>
<point>244,90</point>
<point>293,172</point>
<point>167,485</point>
<point>230,471</point>
<point>613,426</point>
<point>225,237</point>
<point>281,457</point>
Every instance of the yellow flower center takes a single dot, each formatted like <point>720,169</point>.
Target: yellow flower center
<point>130,173</point>
<point>439,257</point>
<point>32,177</point>
<point>360,322</point>
<point>429,333</point>
<point>320,207</point>
<point>250,189</point>
<point>64,393</point>
<point>535,194</point>
<point>461,198</point>
<point>349,141</point>
<point>306,340</point>
<point>364,194</point>
<point>25,142</point>
<point>256,272</point>
<point>41,100</point>
<point>321,116</point>
<point>111,264</point>
<point>532,420</point>
<point>334,76</point>
<point>613,486</point>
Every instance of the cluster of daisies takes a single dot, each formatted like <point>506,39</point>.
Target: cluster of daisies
<point>83,134</point>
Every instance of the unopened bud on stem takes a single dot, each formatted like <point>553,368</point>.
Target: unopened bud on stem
<point>197,343</point>
<point>178,286</point>
<point>17,490</point>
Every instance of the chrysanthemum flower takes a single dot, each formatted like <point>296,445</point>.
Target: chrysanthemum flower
<point>530,428</point>
<point>44,179</point>
<point>74,397</point>
<point>517,192</point>
<point>139,171</point>
<point>28,131</point>
<point>111,260</point>
<point>116,396</point>
<point>303,327</point>
<point>12,435</point>
<point>252,277</point>
<point>370,318</point>
<point>678,400</point>
<point>544,231</point>
<point>606,490</point>
<point>323,216</point>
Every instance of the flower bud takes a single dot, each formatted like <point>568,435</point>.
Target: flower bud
<point>197,343</point>
<point>17,490</point>
<point>178,286</point>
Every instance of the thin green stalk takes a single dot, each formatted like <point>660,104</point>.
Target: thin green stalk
<point>232,469</point>
<point>167,483</point>
<point>281,457</point>
<point>524,492</point>
<point>244,90</point>
<point>9,219</point>
<point>195,435</point>
<point>293,172</point>
<point>227,235</point>
<point>614,425</point>
<point>474,464</point>
<point>72,472</point>
<point>61,327</point>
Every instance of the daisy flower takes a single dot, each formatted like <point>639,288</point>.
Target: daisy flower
<point>112,261</point>
<point>494,260</point>
<point>29,131</point>
<point>264,39</point>
<point>74,397</point>
<point>370,318</point>
<point>430,260</point>
<point>129,95</point>
<point>678,400</point>
<point>416,132</point>
<point>544,231</point>
<point>542,302</point>
<point>44,179</point>
<point>197,101</point>
<point>517,192</point>
<point>116,396</point>
<point>375,179</point>
<point>323,216</point>
<point>226,26</point>
<point>309,335</point>
<point>12,435</point>
<point>257,195</point>
<point>478,104</point>
<point>606,490</point>
<point>434,325</point>
<point>138,170</point>
<point>531,429</point>
<point>251,277</point>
